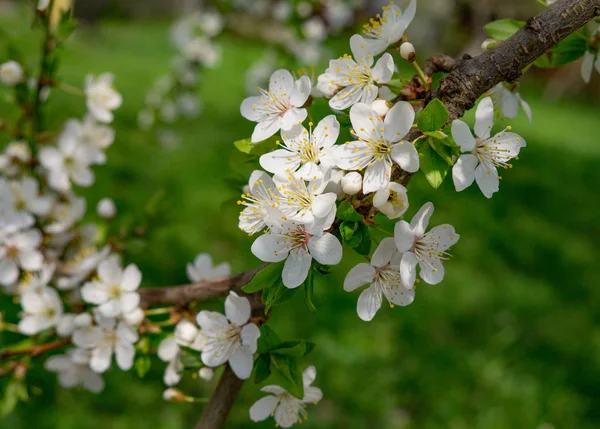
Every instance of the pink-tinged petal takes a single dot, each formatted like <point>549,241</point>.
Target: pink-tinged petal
<point>461,133</point>
<point>487,180</point>
<point>463,172</point>
<point>398,121</point>
<point>369,302</point>
<point>295,269</point>
<point>358,276</point>
<point>384,252</point>
<point>406,156</point>
<point>484,118</point>
<point>326,249</point>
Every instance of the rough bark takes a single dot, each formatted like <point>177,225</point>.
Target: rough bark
<point>216,411</point>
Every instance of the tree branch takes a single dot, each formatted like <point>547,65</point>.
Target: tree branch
<point>35,350</point>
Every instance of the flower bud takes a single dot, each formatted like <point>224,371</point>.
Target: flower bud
<point>407,51</point>
<point>489,44</point>
<point>206,373</point>
<point>174,395</point>
<point>11,73</point>
<point>134,317</point>
<point>106,208</point>
<point>352,183</point>
<point>381,107</point>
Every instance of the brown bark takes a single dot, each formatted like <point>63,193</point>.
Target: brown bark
<point>216,411</point>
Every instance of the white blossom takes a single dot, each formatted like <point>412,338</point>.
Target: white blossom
<point>19,250</point>
<point>101,97</point>
<point>95,137</point>
<point>278,108</point>
<point>36,281</point>
<point>41,310</point>
<point>356,78</point>
<point>70,160</point>
<point>15,155</point>
<point>591,59</point>
<point>262,196</point>
<point>383,275</point>
<point>352,183</point>
<point>482,155</point>
<point>508,102</point>
<point>206,374</point>
<point>74,370</point>
<point>388,27</point>
<point>65,213</point>
<point>391,201</point>
<point>203,51</point>
<point>203,269</point>
<point>297,244</point>
<point>379,144</point>
<point>231,338</point>
<point>425,249</point>
<point>11,73</point>
<point>115,291</point>
<point>283,406</point>
<point>24,196</point>
<point>306,202</point>
<point>106,208</point>
<point>304,151</point>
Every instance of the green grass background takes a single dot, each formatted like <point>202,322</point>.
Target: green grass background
<point>510,339</point>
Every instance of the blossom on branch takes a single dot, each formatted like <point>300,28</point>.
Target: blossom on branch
<point>388,27</point>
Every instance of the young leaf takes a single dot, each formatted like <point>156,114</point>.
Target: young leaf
<point>438,135</point>
<point>262,369</point>
<point>268,339</point>
<point>432,165</point>
<point>293,348</point>
<point>433,117</point>
<point>142,365</point>
<point>568,50</point>
<point>345,211</point>
<point>285,370</point>
<point>503,28</point>
<point>364,247</point>
<point>347,229</point>
<point>442,150</point>
<point>265,278</point>
<point>277,294</point>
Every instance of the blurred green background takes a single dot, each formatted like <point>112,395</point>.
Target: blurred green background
<point>510,339</point>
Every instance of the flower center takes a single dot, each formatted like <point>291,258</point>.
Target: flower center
<point>115,292</point>
<point>12,251</point>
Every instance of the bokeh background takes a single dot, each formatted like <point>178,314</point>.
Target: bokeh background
<point>510,339</point>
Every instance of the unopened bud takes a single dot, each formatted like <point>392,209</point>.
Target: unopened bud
<point>381,107</point>
<point>407,51</point>
<point>106,208</point>
<point>174,395</point>
<point>489,44</point>
<point>352,183</point>
<point>206,373</point>
<point>11,73</point>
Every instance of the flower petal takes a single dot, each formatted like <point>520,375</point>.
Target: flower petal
<point>384,252</point>
<point>484,118</point>
<point>237,308</point>
<point>326,249</point>
<point>369,302</point>
<point>398,121</point>
<point>295,269</point>
<point>461,133</point>
<point>406,156</point>
<point>263,408</point>
<point>487,180</point>
<point>463,172</point>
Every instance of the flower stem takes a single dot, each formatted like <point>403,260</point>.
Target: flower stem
<point>421,75</point>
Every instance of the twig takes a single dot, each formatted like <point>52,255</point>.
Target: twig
<point>35,350</point>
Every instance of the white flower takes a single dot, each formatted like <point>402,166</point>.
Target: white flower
<point>19,250</point>
<point>352,183</point>
<point>591,60</point>
<point>94,136</point>
<point>108,337</point>
<point>65,213</point>
<point>389,27</point>
<point>325,86</point>
<point>391,201</point>
<point>357,79</point>
<point>482,155</point>
<point>206,374</point>
<point>101,97</point>
<point>115,290</point>
<point>106,208</point>
<point>428,250</point>
<point>24,196</point>
<point>262,196</point>
<point>134,317</point>
<point>74,370</point>
<point>202,269</point>
<point>203,51</point>
<point>314,29</point>
<point>230,339</point>
<point>188,105</point>
<point>285,408</point>
<point>36,281</point>
<point>407,51</point>
<point>306,202</point>
<point>15,155</point>
<point>43,4</point>
<point>279,107</point>
<point>297,244</point>
<point>70,160</point>
<point>41,310</point>
<point>383,273</point>
<point>303,150</point>
<point>508,101</point>
<point>381,106</point>
<point>11,73</point>
<point>379,144</point>
<point>187,335</point>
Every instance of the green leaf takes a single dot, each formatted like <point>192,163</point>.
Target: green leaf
<point>142,365</point>
<point>277,294</point>
<point>191,361</point>
<point>441,149</point>
<point>15,392</point>
<point>286,372</point>
<point>503,28</point>
<point>309,287</point>
<point>265,278</point>
<point>190,351</point>
<point>246,146</point>
<point>268,339</point>
<point>294,348</point>
<point>345,211</point>
<point>364,247</point>
<point>347,229</point>
<point>433,117</point>
<point>568,50</point>
<point>438,135</point>
<point>262,369</point>
<point>432,165</point>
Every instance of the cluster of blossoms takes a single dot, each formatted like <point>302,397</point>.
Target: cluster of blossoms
<point>174,95</point>
<point>299,32</point>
